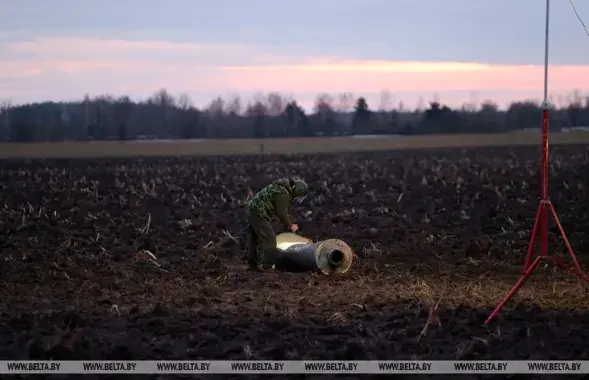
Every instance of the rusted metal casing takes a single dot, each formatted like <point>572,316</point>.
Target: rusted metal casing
<point>296,253</point>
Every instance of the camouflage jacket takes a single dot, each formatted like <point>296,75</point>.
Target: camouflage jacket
<point>272,201</point>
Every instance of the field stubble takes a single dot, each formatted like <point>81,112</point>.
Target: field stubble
<point>218,147</point>
<point>140,258</point>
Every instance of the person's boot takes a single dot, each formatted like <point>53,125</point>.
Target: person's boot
<point>253,259</point>
<point>268,259</point>
<point>268,266</point>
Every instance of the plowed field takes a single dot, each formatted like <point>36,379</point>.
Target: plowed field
<point>432,227</point>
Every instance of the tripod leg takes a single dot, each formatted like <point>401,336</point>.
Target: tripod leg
<point>544,228</point>
<point>567,244</point>
<point>514,289</point>
<point>532,239</point>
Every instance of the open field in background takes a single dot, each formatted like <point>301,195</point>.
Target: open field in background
<point>443,226</point>
<point>277,146</point>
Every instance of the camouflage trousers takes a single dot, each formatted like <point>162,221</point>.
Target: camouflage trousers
<point>261,242</point>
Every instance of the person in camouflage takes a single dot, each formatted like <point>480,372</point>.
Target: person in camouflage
<point>270,202</point>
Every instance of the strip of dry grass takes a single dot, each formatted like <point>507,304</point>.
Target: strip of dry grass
<point>549,287</point>
<point>275,146</point>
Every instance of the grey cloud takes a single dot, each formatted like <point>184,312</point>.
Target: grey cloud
<point>498,31</point>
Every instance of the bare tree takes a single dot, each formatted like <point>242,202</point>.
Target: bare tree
<point>233,107</point>
<point>560,101</point>
<point>5,107</point>
<point>216,114</point>
<point>576,98</point>
<point>420,104</point>
<point>468,107</point>
<point>163,98</point>
<point>216,107</point>
<point>574,109</point>
<point>86,109</point>
<point>184,102</point>
<point>346,102</point>
<point>256,109</point>
<point>257,112</point>
<point>188,117</point>
<point>324,105</point>
<point>275,104</point>
<point>386,101</point>
<point>344,108</point>
<point>102,116</point>
<point>326,116</point>
<point>473,101</point>
<point>164,101</point>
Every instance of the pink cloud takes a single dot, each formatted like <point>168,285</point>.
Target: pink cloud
<point>23,68</point>
<point>112,46</point>
<point>370,76</point>
<point>70,66</point>
<point>202,54</point>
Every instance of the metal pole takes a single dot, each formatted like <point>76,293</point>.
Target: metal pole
<point>544,180</point>
<point>546,38</point>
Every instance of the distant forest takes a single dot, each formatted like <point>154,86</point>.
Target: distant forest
<point>165,116</point>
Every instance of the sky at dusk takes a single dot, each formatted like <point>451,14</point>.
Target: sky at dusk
<point>455,50</point>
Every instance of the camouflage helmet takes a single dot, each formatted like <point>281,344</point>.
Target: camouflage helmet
<point>299,187</point>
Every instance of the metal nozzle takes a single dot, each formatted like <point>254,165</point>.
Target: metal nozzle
<point>336,257</point>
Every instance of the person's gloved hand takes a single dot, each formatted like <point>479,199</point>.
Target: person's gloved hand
<point>293,228</point>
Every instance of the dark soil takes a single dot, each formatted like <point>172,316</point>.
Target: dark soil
<point>428,227</point>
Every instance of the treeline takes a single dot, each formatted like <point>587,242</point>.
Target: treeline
<point>164,116</point>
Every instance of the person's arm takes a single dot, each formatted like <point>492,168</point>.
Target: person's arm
<point>282,202</point>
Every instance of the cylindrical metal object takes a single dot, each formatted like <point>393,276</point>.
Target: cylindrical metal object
<point>296,253</point>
